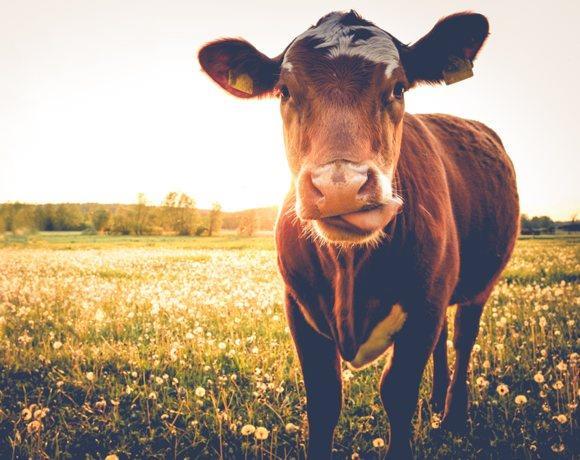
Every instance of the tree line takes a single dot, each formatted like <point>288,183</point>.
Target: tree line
<point>177,215</point>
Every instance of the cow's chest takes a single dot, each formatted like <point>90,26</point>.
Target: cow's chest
<point>380,338</point>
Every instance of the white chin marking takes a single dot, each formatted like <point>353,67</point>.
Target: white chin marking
<point>338,41</point>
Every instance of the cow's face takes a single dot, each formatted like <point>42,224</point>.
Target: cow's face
<point>341,86</point>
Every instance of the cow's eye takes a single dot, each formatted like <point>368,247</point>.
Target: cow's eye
<point>283,92</point>
<point>399,90</point>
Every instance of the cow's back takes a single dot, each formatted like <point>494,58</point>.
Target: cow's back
<point>483,194</point>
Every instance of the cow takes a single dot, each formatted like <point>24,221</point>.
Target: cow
<point>391,217</point>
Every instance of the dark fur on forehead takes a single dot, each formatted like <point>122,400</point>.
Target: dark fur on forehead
<point>343,79</point>
<point>362,35</point>
<point>352,18</point>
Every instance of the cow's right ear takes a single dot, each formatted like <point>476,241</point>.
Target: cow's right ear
<point>447,52</point>
<point>239,68</point>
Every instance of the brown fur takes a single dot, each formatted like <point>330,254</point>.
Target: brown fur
<point>452,240</point>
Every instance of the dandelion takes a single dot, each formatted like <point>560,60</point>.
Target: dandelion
<point>562,366</point>
<point>34,427</point>
<point>200,392</point>
<point>158,380</point>
<point>546,407</point>
<point>481,382</point>
<point>291,428</point>
<point>261,433</point>
<point>347,375</point>
<point>26,414</point>
<point>112,457</point>
<point>521,400</point>
<point>247,430</point>
<point>90,376</point>
<point>57,345</point>
<point>539,378</point>
<point>378,443</point>
<point>101,405</point>
<point>543,322</point>
<point>152,396</point>
<point>435,422</point>
<point>558,385</point>
<point>561,418</point>
<point>502,389</point>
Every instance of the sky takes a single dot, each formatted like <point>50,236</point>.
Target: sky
<point>100,100</point>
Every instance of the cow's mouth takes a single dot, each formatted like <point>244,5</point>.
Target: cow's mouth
<point>358,226</point>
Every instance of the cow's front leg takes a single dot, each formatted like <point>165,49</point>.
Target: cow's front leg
<point>401,379</point>
<point>322,379</point>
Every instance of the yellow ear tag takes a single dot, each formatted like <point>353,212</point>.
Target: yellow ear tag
<point>242,82</point>
<point>457,69</point>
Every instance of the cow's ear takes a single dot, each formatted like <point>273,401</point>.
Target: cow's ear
<point>447,52</point>
<point>239,68</point>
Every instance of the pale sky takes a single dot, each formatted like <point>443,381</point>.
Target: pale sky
<point>100,100</point>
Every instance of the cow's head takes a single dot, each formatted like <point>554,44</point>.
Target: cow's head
<point>341,86</point>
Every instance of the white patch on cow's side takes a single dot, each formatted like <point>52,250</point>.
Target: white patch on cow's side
<point>337,39</point>
<point>287,65</point>
<point>380,339</point>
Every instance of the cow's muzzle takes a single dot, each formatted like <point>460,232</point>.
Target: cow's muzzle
<point>354,198</point>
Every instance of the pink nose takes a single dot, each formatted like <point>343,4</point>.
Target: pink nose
<point>335,188</point>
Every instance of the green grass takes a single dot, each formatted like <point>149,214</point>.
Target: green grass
<point>76,240</point>
<point>158,347</point>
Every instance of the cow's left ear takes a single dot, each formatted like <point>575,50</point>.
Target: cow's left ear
<point>239,68</point>
<point>447,52</point>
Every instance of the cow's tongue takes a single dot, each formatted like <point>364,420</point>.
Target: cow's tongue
<point>376,218</point>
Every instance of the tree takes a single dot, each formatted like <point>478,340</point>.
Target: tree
<point>100,219</point>
<point>180,213</point>
<point>215,219</point>
<point>67,217</point>
<point>169,211</point>
<point>23,220</point>
<point>140,215</point>
<point>121,223</point>
<point>248,223</point>
<point>187,215</point>
<point>537,225</point>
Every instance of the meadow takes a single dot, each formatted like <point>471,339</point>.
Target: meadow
<point>167,347</point>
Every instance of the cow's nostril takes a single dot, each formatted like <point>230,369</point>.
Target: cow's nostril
<point>317,193</point>
<point>369,185</point>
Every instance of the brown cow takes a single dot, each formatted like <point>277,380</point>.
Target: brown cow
<point>391,218</point>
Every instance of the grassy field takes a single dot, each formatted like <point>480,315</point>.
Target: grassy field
<point>177,347</point>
